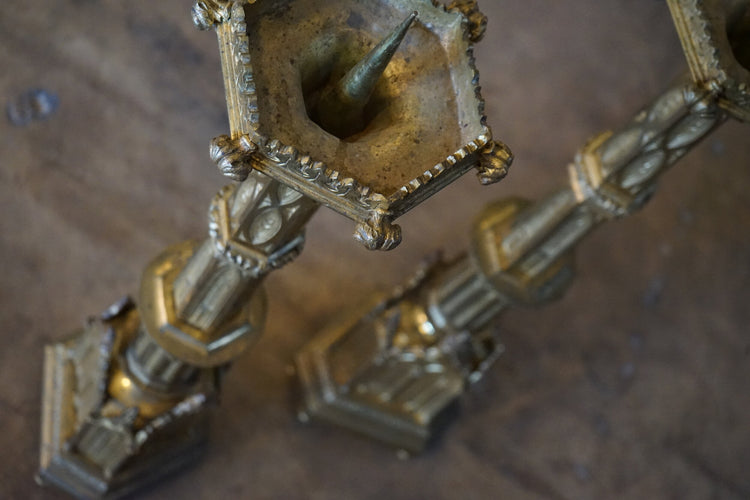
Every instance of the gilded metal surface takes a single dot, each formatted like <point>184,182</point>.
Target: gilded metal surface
<point>424,124</point>
<point>126,399</point>
<point>393,370</point>
<point>105,433</point>
<point>198,340</point>
<point>476,21</point>
<point>715,36</point>
<point>139,389</point>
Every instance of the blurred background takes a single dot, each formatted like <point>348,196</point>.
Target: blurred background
<point>635,385</point>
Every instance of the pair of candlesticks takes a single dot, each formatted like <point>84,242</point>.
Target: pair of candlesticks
<point>368,108</point>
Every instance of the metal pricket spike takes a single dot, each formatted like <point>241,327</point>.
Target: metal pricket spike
<point>341,106</point>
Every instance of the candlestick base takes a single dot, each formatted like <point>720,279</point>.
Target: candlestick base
<point>385,371</point>
<point>94,446</point>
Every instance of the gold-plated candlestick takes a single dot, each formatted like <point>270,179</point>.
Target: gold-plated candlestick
<point>394,367</point>
<point>366,108</point>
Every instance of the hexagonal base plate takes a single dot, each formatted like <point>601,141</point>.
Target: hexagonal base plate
<point>349,380</point>
<point>61,466</point>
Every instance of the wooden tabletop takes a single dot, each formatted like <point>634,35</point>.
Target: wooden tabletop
<point>634,386</point>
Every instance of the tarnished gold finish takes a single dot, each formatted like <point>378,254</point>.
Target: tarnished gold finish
<point>477,21</point>
<point>199,342</point>
<point>715,35</point>
<point>131,390</point>
<point>104,431</point>
<point>424,124</point>
<point>325,106</point>
<point>392,370</point>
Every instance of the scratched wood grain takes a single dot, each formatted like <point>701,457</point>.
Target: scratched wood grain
<point>634,386</point>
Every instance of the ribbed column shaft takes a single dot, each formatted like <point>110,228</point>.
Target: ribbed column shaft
<point>155,367</point>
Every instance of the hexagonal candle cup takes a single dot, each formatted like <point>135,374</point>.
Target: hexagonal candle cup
<point>715,36</point>
<point>423,124</point>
